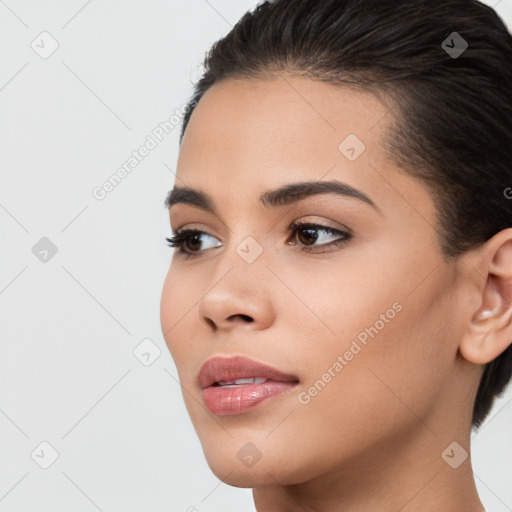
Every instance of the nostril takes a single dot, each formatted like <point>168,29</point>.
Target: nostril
<point>211,323</point>
<point>243,317</point>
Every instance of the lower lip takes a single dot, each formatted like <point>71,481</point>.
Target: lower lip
<point>242,398</point>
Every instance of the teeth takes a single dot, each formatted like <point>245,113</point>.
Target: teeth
<point>237,382</point>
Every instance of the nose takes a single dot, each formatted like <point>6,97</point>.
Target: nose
<point>235,303</point>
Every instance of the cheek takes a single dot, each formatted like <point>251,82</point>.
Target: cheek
<point>177,304</point>
<point>329,304</point>
<point>376,394</point>
<point>168,304</point>
<point>371,346</point>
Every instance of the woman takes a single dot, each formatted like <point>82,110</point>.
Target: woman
<point>338,304</point>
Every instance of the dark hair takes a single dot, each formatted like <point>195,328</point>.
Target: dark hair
<point>453,124</point>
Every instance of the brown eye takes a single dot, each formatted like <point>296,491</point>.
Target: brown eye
<point>193,242</point>
<point>308,234</point>
<point>188,241</point>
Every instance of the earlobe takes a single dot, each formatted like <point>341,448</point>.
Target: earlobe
<point>473,348</point>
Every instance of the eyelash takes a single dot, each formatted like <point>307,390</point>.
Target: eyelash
<point>183,235</point>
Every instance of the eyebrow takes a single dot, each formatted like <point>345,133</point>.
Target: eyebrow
<point>284,195</point>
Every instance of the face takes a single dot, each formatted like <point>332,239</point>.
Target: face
<point>357,304</point>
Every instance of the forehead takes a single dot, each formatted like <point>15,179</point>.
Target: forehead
<point>282,117</point>
<point>248,136</point>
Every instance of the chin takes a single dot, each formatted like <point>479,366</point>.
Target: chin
<point>235,467</point>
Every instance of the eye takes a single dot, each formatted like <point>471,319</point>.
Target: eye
<point>188,241</point>
<point>310,233</point>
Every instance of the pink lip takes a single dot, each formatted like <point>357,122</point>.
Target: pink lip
<point>241,398</point>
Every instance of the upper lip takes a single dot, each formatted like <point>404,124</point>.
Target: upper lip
<point>220,368</point>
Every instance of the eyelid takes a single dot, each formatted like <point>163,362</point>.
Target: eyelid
<point>320,221</point>
<point>194,226</point>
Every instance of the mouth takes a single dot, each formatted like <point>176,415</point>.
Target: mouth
<point>240,382</point>
<point>235,385</point>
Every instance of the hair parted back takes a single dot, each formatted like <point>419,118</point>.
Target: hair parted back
<point>451,116</point>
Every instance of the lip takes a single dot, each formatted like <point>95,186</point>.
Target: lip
<point>220,368</point>
<point>240,398</point>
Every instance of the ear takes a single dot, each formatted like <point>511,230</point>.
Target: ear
<point>489,332</point>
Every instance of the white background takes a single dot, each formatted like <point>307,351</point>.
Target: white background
<point>69,326</point>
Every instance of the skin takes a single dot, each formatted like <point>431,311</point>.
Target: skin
<point>372,438</point>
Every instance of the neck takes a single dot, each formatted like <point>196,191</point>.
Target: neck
<point>405,477</point>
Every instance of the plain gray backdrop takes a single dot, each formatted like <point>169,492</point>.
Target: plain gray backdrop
<point>91,414</point>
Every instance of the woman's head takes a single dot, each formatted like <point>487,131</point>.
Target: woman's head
<point>397,324</point>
